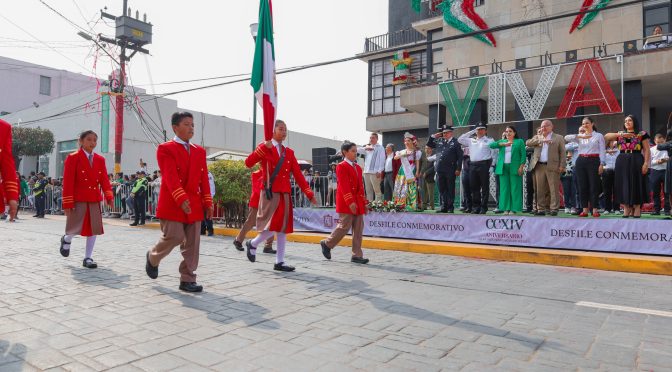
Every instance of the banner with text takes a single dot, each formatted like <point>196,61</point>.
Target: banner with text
<point>606,234</point>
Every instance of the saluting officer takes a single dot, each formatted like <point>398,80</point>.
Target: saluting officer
<point>448,165</point>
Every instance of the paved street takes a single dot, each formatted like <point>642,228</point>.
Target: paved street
<point>402,312</point>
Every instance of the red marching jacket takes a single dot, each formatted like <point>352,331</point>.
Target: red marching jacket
<point>350,188</point>
<point>184,177</point>
<point>269,158</point>
<point>9,184</point>
<point>257,186</point>
<point>83,182</point>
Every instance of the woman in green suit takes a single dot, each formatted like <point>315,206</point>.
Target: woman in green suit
<point>510,166</point>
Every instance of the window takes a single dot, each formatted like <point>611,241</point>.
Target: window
<point>658,15</point>
<point>65,148</point>
<point>45,85</point>
<point>43,164</point>
<point>384,97</point>
<point>479,2</point>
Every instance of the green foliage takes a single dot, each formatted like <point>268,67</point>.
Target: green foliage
<point>232,180</point>
<point>31,141</point>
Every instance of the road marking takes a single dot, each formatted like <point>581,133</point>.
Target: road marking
<point>638,310</point>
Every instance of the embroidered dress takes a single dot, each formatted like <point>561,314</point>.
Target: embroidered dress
<point>405,186</point>
<point>630,186</point>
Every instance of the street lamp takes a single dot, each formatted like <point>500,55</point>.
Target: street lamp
<point>254,27</point>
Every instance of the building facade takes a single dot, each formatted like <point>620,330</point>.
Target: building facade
<point>532,68</point>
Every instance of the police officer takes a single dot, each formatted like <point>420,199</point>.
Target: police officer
<point>39,190</point>
<point>448,165</point>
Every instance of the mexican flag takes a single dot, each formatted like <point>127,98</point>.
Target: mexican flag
<point>263,70</point>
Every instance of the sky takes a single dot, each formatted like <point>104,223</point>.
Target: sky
<point>208,38</point>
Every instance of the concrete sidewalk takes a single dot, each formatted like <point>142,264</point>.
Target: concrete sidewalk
<point>643,264</point>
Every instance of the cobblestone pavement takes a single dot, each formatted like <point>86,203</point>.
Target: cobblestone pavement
<point>401,312</point>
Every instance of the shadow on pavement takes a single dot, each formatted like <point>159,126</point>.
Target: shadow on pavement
<point>223,309</point>
<point>12,356</point>
<point>100,277</point>
<point>360,289</point>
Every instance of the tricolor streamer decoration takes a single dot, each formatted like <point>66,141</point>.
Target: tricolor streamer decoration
<point>402,64</point>
<point>461,15</point>
<point>589,10</point>
<point>105,124</point>
<point>460,110</point>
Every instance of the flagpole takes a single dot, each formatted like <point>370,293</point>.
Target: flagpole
<point>253,31</point>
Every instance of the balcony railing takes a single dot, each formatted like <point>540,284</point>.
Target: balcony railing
<point>393,39</point>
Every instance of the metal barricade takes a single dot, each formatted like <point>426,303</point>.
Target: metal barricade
<point>324,189</point>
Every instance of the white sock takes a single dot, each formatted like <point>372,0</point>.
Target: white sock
<point>262,237</point>
<point>90,242</point>
<point>280,247</point>
<point>68,241</point>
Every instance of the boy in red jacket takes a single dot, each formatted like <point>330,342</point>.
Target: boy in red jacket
<point>185,193</point>
<point>350,205</point>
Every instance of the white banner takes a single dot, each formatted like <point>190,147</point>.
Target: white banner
<point>590,234</point>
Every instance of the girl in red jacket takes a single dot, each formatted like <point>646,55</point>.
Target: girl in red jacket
<point>84,176</point>
<point>350,205</point>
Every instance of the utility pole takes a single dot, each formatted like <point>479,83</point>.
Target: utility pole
<point>131,34</point>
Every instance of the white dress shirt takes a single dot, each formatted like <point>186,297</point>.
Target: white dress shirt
<point>588,146</point>
<point>610,159</point>
<point>185,144</point>
<point>388,163</point>
<point>374,161</point>
<point>479,148</point>
<point>543,157</point>
<point>658,155</point>
<point>278,146</point>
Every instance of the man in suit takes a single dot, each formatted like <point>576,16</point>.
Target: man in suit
<point>185,192</point>
<point>448,166</point>
<point>429,177</point>
<point>548,162</point>
<point>350,205</point>
<point>9,183</point>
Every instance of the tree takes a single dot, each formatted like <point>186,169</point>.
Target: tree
<point>31,142</point>
<point>233,189</point>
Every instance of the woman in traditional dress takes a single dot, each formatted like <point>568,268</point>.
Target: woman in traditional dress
<point>405,187</point>
<point>632,166</point>
<point>84,176</point>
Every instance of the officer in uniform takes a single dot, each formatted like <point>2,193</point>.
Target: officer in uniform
<point>448,165</point>
<point>39,190</point>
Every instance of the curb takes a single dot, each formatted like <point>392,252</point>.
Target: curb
<point>630,263</point>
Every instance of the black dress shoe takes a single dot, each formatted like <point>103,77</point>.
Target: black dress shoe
<point>476,211</point>
<point>37,215</point>
<point>141,223</point>
<point>539,213</point>
<point>467,210</point>
<point>484,211</point>
<point>133,224</point>
<point>282,267</point>
<point>211,233</point>
<point>450,211</point>
<point>656,213</point>
<point>64,252</point>
<point>554,213</point>
<point>270,250</point>
<point>190,287</point>
<point>359,260</point>
<point>89,263</point>
<point>250,256</point>
<point>152,271</point>
<point>326,252</point>
<point>238,245</point>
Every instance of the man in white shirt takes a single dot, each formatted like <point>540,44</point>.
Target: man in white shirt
<point>374,165</point>
<point>659,161</point>
<point>480,162</point>
<point>389,174</point>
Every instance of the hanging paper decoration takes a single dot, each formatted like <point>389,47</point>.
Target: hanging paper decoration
<point>402,64</point>
<point>588,74</point>
<point>105,124</point>
<point>461,15</point>
<point>589,10</point>
<point>531,106</point>
<point>460,110</point>
<point>415,4</point>
<point>496,98</point>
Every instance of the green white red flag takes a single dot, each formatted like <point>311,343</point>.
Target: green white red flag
<point>263,70</point>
